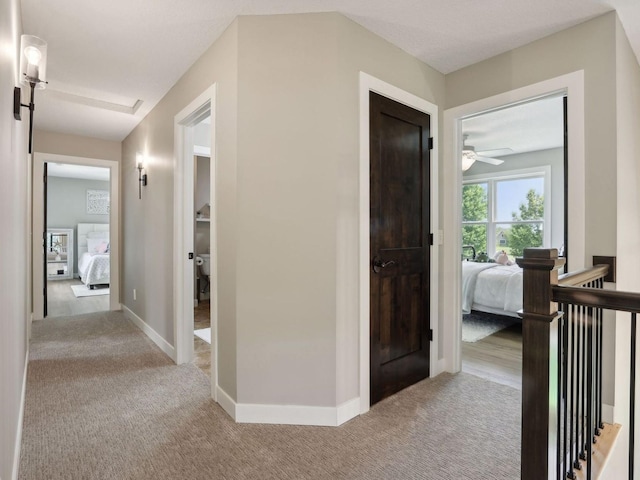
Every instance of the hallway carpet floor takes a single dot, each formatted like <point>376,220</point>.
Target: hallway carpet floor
<point>103,402</point>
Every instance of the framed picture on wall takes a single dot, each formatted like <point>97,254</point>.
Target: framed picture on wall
<point>98,202</point>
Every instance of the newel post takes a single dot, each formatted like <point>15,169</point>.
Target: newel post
<point>539,363</point>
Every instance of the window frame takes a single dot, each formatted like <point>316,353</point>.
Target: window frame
<point>491,179</point>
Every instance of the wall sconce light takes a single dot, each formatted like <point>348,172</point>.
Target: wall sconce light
<point>33,72</point>
<point>142,177</point>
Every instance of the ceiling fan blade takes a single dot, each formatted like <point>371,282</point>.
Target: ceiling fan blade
<point>496,152</point>
<point>492,161</point>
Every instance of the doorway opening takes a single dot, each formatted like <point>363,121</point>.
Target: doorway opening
<point>513,197</point>
<point>204,278</point>
<point>195,261</point>
<point>75,268</point>
<point>77,239</point>
<point>571,86</point>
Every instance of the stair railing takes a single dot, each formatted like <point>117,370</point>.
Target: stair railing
<point>562,331</point>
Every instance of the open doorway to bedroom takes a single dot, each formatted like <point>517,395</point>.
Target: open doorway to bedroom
<point>513,197</point>
<point>77,263</point>
<point>75,212</point>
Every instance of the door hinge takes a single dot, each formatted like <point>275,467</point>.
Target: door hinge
<point>431,334</point>
<point>431,239</point>
<point>430,143</point>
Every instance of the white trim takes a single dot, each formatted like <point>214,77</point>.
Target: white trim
<point>297,414</point>
<point>227,403</point>
<point>573,85</point>
<point>39,159</point>
<point>183,241</point>
<point>367,84</point>
<point>155,337</point>
<point>23,396</point>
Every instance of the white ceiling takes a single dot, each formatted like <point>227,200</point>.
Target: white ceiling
<point>67,170</point>
<point>110,63</point>
<point>526,127</point>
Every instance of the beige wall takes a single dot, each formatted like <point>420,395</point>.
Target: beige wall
<point>76,146</point>
<point>628,220</point>
<point>148,223</point>
<point>298,166</point>
<point>14,217</point>
<point>589,47</point>
<point>287,201</point>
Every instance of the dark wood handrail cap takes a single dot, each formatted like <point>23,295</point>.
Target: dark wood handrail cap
<point>540,263</point>
<point>540,253</point>
<point>538,317</point>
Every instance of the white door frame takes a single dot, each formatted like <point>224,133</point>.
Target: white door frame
<point>573,85</point>
<point>372,84</point>
<point>39,159</point>
<point>183,238</point>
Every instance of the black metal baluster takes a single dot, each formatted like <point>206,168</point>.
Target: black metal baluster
<point>572,401</point>
<point>600,328</point>
<point>565,384</point>
<point>589,416</point>
<point>561,354</point>
<point>585,436</point>
<point>632,399</point>
<point>578,418</point>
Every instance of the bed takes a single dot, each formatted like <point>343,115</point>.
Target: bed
<point>93,254</point>
<point>491,288</point>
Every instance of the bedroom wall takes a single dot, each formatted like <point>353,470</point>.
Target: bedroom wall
<point>591,47</point>
<point>553,157</point>
<point>14,238</point>
<point>67,206</point>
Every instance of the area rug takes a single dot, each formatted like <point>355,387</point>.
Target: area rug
<point>477,325</point>
<point>204,334</point>
<point>84,291</point>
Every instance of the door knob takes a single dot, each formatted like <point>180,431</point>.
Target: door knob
<point>379,264</point>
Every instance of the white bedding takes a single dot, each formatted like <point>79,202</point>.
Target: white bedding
<point>94,268</point>
<point>491,287</point>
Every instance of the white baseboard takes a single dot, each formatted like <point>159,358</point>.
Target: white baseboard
<point>289,414</point>
<point>16,455</point>
<point>155,337</point>
<point>437,368</point>
<point>227,403</point>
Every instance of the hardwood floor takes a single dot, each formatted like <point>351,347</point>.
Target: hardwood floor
<point>201,349</point>
<point>497,357</point>
<point>62,302</point>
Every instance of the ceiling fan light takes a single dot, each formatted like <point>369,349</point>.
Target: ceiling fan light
<point>468,159</point>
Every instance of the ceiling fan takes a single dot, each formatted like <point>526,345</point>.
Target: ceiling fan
<point>469,156</point>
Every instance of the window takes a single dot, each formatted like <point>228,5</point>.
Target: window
<point>509,211</point>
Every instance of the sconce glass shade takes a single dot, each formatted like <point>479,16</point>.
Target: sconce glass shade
<point>140,162</point>
<point>33,61</point>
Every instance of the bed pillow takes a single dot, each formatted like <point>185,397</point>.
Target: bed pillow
<point>96,245</point>
<point>101,235</point>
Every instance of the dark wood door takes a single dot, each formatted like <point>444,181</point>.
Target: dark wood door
<point>400,243</point>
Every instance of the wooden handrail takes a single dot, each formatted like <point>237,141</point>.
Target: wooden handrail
<point>597,298</point>
<point>581,277</point>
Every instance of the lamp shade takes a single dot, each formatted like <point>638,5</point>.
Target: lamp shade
<point>33,61</point>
